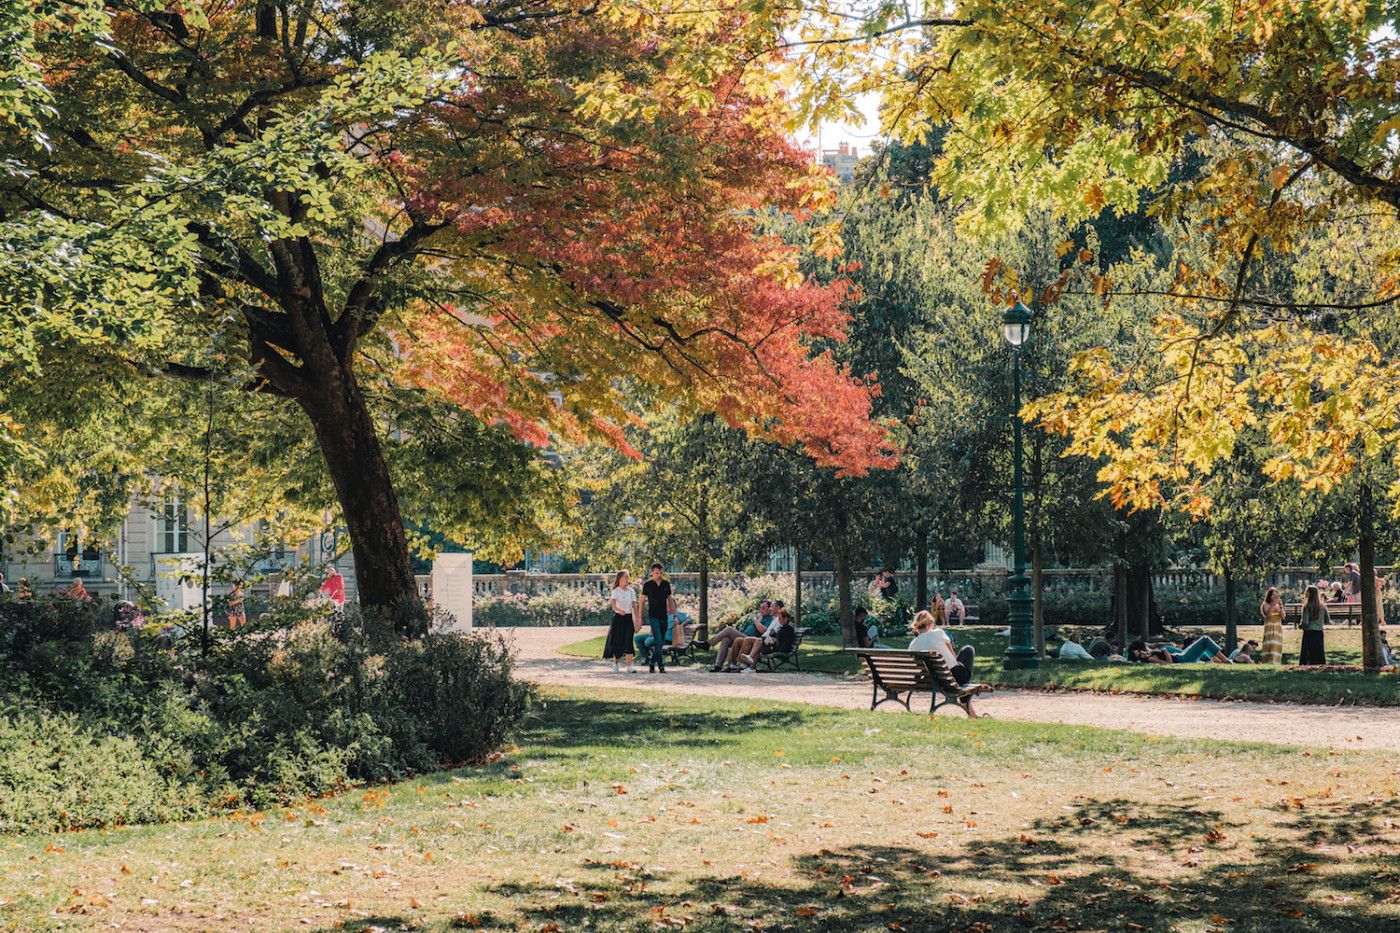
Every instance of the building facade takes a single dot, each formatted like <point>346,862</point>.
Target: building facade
<point>162,548</point>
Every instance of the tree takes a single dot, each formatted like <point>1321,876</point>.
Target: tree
<point>683,503</point>
<point>1288,111</point>
<point>509,207</point>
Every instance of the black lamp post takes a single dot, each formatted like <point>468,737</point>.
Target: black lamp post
<point>1020,653</point>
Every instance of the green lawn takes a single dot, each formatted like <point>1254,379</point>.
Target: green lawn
<point>1258,682</point>
<point>626,810</point>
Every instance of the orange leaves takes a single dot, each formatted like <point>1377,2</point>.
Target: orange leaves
<point>601,264</point>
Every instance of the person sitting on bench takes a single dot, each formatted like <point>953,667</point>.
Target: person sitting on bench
<point>779,637</point>
<point>931,638</point>
<point>957,612</point>
<point>867,630</point>
<point>726,640</point>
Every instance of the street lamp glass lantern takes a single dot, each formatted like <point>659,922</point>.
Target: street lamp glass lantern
<point>1016,324</point>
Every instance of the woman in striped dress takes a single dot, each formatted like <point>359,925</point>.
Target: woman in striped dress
<point>1272,610</point>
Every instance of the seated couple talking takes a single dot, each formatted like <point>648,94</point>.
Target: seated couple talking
<point>770,631</point>
<point>934,639</point>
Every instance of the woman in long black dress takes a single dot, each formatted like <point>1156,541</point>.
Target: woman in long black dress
<point>622,599</point>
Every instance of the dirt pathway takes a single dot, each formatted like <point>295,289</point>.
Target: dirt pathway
<point>1375,728</point>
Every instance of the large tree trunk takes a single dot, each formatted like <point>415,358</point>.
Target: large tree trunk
<point>921,578</point>
<point>1366,545</point>
<point>1232,634</point>
<point>843,599</point>
<point>354,458</point>
<point>1037,600</point>
<point>797,585</point>
<point>703,629</point>
<point>1120,606</point>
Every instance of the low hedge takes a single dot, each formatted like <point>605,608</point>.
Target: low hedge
<point>100,727</point>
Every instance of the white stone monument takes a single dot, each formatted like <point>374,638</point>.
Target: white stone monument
<point>452,588</point>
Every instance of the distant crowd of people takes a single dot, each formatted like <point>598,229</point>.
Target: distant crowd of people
<point>645,621</point>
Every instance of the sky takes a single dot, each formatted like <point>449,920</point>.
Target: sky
<point>833,134</point>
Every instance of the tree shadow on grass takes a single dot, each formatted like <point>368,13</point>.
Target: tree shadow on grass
<point>1064,873</point>
<point>568,725</point>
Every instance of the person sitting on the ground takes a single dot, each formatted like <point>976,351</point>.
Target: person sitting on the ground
<point>726,639</point>
<point>1387,655</point>
<point>935,639</point>
<point>1100,648</point>
<point>1072,650</point>
<point>957,612</point>
<point>1245,653</point>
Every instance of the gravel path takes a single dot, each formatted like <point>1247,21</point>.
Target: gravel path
<point>1376,728</point>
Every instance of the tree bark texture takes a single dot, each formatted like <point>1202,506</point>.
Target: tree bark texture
<point>1366,547</point>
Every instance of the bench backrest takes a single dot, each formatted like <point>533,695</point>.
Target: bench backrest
<point>938,670</point>
<point>896,669</point>
<point>1293,612</point>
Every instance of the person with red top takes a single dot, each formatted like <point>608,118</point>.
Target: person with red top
<point>334,587</point>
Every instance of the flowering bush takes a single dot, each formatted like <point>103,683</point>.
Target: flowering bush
<point>561,607</point>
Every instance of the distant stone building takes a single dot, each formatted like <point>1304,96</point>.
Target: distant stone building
<point>842,160</point>
<point>160,547</point>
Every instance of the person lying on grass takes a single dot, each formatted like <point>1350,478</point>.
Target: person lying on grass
<point>1203,648</point>
<point>1245,653</point>
<point>931,638</point>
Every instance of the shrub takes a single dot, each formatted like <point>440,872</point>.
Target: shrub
<point>564,606</point>
<point>100,727</point>
<point>58,774</point>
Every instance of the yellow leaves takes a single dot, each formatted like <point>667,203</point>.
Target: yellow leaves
<point>1385,129</point>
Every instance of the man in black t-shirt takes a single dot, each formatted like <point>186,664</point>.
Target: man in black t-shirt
<point>657,604</point>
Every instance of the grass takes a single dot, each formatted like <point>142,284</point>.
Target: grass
<point>1217,681</point>
<point>624,810</point>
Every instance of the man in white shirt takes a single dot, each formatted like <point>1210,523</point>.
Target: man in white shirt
<point>931,638</point>
<point>957,612</point>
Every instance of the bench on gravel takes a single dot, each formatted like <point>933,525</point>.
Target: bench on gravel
<point>901,674</point>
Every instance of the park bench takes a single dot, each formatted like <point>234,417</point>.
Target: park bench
<point>901,674</point>
<point>775,660</point>
<point>1337,613</point>
<point>969,616</point>
<point>684,653</point>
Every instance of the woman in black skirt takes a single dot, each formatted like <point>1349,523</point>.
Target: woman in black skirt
<point>619,643</point>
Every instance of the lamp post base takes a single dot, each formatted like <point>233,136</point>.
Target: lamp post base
<point>1020,652</point>
<point>1019,658</point>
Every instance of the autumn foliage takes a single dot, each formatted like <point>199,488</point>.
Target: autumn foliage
<point>602,256</point>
